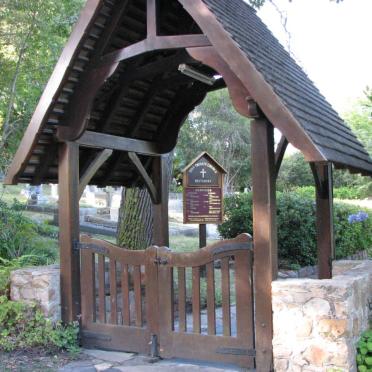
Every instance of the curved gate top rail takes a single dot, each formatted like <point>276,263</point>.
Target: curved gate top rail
<point>191,305</point>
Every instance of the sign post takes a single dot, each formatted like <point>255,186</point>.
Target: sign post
<point>203,194</point>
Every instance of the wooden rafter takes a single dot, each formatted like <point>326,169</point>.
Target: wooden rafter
<point>45,162</point>
<point>92,169</point>
<point>116,98</point>
<point>79,109</point>
<point>142,111</point>
<point>184,102</point>
<point>105,39</point>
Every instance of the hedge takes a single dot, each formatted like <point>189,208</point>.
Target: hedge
<point>297,229</point>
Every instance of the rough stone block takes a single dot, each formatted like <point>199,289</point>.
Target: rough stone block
<point>38,284</point>
<point>317,323</point>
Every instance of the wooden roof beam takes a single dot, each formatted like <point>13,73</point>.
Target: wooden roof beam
<point>145,106</point>
<point>152,44</point>
<point>94,166</point>
<point>152,17</point>
<point>118,13</point>
<point>108,141</point>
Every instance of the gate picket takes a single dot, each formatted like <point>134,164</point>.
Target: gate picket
<point>196,300</point>
<point>211,301</point>
<point>113,292</point>
<point>182,299</point>
<point>125,295</point>
<point>153,270</point>
<point>101,289</point>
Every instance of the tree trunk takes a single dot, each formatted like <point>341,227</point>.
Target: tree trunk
<point>135,219</point>
<point>135,226</point>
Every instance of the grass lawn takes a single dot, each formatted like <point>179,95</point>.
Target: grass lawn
<point>181,243</point>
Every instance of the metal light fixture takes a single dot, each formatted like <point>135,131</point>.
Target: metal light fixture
<point>189,71</point>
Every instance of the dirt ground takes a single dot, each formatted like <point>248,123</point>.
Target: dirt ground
<point>35,360</point>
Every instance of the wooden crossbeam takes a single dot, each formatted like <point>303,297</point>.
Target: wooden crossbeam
<point>152,44</point>
<point>108,141</point>
<point>145,176</point>
<point>92,169</point>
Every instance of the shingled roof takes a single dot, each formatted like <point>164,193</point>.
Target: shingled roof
<point>327,130</point>
<point>143,96</point>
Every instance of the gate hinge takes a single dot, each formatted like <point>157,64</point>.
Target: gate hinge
<point>76,245</point>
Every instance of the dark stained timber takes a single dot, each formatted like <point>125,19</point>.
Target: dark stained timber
<point>265,236</point>
<point>68,172</point>
<point>324,218</point>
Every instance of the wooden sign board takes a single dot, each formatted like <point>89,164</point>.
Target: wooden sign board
<point>202,191</point>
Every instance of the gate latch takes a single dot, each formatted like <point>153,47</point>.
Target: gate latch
<point>161,261</point>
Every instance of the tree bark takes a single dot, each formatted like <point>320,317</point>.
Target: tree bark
<point>135,219</point>
<point>135,226</point>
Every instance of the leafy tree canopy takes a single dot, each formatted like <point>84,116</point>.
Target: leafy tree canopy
<point>217,128</point>
<point>32,35</point>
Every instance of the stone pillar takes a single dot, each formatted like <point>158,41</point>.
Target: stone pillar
<point>317,323</point>
<point>40,285</point>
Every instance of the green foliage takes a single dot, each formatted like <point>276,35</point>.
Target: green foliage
<point>344,192</point>
<point>360,120</point>
<point>217,128</point>
<point>23,326</point>
<point>295,172</point>
<point>32,34</point>
<point>297,229</point>
<point>20,236</point>
<point>364,352</point>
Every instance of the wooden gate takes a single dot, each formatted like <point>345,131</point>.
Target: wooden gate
<point>195,305</point>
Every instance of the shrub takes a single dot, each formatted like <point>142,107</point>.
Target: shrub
<point>21,236</point>
<point>297,229</point>
<point>364,352</point>
<point>23,326</point>
<point>338,193</point>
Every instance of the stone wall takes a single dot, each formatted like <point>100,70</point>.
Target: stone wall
<point>318,322</point>
<point>38,284</point>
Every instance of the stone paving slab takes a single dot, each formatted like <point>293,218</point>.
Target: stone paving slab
<point>109,361</point>
<point>109,356</point>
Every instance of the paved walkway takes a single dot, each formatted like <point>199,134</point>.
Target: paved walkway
<point>108,361</point>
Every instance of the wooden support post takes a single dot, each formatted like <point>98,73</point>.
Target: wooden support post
<point>264,237</point>
<point>160,209</point>
<point>324,218</point>
<point>202,235</point>
<point>68,176</point>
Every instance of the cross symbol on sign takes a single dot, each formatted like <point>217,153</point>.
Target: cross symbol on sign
<point>203,172</point>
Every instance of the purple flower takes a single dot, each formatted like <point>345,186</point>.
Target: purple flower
<point>358,217</point>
